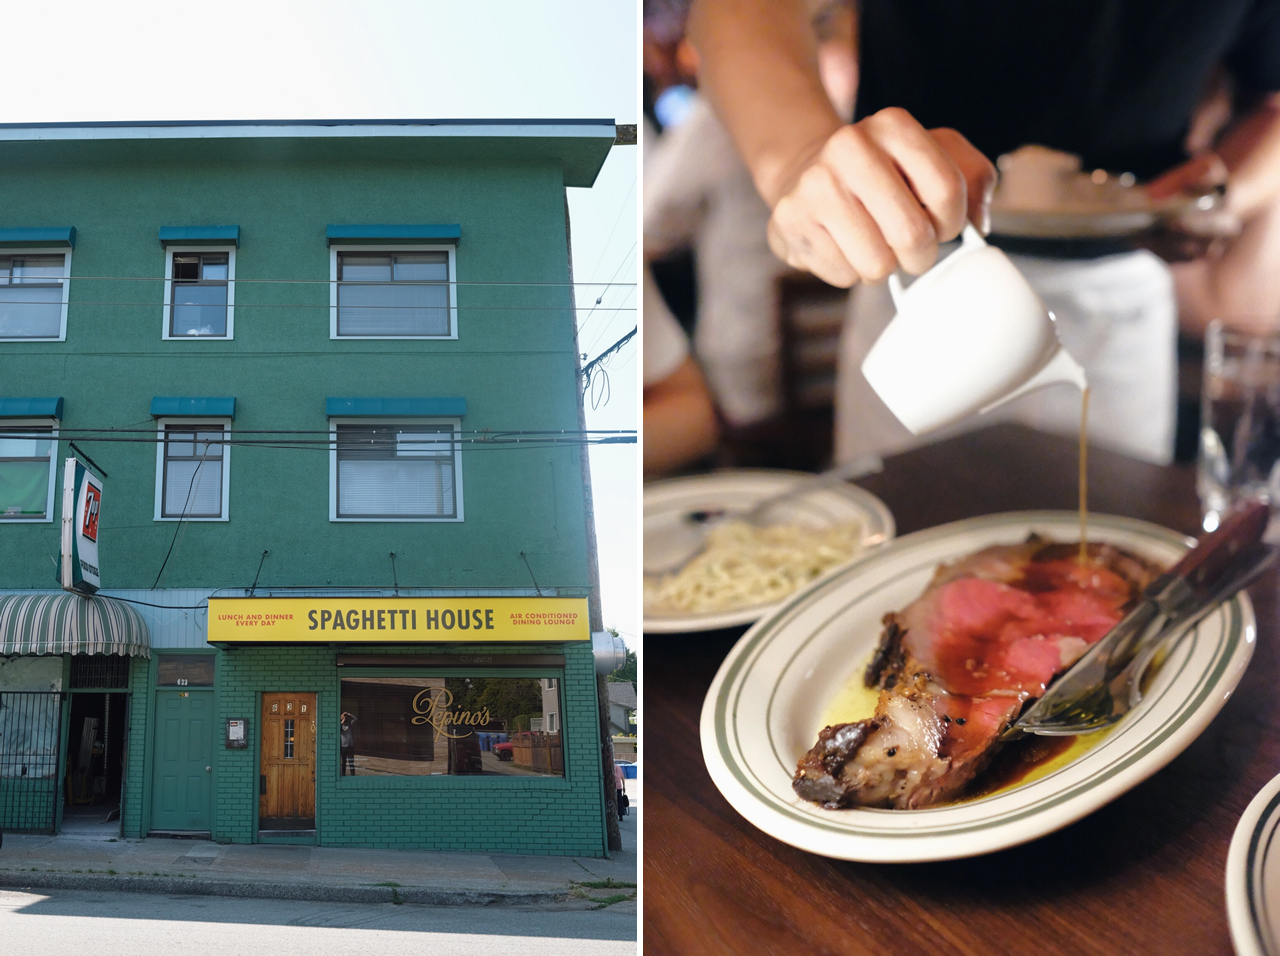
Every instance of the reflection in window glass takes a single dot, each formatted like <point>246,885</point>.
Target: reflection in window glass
<point>393,295</point>
<point>173,670</point>
<point>31,294</point>
<point>199,298</point>
<point>29,735</point>
<point>192,484</point>
<point>423,726</point>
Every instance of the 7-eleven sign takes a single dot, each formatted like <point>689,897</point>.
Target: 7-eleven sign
<point>81,506</point>
<point>92,503</point>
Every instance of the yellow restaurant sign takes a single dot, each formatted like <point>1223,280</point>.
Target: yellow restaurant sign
<point>395,620</point>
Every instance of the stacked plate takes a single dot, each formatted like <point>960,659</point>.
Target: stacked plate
<point>1253,876</point>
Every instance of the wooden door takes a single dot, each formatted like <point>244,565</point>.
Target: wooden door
<point>287,787</point>
<point>183,761</point>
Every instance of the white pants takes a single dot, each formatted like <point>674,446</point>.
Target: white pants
<point>1116,315</point>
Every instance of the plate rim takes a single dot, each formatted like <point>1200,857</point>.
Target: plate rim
<point>718,620</point>
<point>1153,751</point>
<point>1243,919</point>
<point>1085,221</point>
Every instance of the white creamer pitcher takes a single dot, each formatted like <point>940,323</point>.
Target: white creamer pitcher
<point>970,334</point>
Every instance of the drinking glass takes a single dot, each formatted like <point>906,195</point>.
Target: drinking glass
<point>1239,423</point>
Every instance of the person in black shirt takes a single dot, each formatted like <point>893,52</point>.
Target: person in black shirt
<point>1112,81</point>
<point>347,744</point>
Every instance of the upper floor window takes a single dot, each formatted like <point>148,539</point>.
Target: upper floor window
<point>33,296</point>
<point>199,293</point>
<point>191,471</point>
<point>395,472</point>
<point>27,453</point>
<point>403,293</point>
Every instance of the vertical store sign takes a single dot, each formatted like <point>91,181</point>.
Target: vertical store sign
<point>81,504</point>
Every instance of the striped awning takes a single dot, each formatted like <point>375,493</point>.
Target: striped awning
<point>66,623</point>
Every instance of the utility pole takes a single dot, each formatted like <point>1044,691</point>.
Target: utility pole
<point>595,614</point>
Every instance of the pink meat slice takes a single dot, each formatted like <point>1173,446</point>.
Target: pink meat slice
<point>958,664</point>
<point>978,637</point>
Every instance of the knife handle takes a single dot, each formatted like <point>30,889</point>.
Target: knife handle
<point>1241,528</point>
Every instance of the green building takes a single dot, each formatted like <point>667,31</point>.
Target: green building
<point>327,374</point>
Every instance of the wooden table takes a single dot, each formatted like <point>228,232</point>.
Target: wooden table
<point>1143,875</point>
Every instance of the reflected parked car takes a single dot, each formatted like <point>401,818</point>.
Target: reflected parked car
<point>503,750</point>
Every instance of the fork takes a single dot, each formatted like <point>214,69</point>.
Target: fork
<point>699,522</point>
<point>1104,704</point>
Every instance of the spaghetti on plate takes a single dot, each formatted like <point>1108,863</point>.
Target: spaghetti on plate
<point>744,565</point>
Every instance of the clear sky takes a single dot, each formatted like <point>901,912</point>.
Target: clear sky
<point>270,59</point>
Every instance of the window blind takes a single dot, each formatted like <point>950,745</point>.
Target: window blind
<point>390,472</point>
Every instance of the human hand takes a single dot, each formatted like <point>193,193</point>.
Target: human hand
<point>1202,172</point>
<point>879,195</point>
<point>1190,234</point>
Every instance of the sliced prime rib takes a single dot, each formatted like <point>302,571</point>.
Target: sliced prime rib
<point>956,666</point>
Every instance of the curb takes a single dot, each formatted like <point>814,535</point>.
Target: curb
<point>169,885</point>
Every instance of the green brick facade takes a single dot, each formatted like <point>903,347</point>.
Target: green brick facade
<point>136,785</point>
<point>513,361</point>
<point>505,815</point>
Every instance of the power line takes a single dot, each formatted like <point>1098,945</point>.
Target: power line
<point>600,333</point>
<point>597,370</point>
<point>606,388</point>
<point>317,445</point>
<point>182,520</point>
<point>206,353</point>
<point>600,298</point>
<point>617,219</point>
<point>626,362</point>
<point>473,444</point>
<point>26,431</point>
<point>312,305</point>
<point>610,350</point>
<point>353,282</point>
<point>167,607</point>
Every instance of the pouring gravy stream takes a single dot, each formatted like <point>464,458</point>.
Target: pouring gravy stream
<point>1084,475</point>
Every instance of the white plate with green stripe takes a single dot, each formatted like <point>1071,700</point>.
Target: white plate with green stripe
<point>777,688</point>
<point>1253,876</point>
<point>666,532</point>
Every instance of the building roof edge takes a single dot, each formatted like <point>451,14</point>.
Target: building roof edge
<point>208,129</point>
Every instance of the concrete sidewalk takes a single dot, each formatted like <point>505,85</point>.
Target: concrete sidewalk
<point>93,858</point>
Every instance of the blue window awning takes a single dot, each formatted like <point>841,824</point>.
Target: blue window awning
<point>200,236</point>
<point>451,406</point>
<point>373,234</point>
<point>31,408</point>
<point>162,407</point>
<point>51,236</point>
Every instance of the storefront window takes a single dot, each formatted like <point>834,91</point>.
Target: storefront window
<point>424,726</point>
<point>29,722</point>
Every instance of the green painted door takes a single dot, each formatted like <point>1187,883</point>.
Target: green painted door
<point>183,760</point>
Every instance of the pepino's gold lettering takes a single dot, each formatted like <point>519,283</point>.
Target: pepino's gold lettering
<point>431,706</point>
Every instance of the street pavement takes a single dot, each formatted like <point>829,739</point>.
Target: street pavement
<point>94,858</point>
<point>72,922</point>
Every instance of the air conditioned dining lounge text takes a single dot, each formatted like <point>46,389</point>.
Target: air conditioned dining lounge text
<point>462,619</point>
